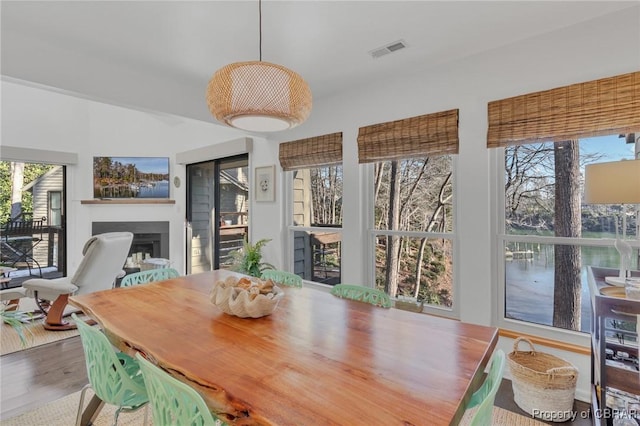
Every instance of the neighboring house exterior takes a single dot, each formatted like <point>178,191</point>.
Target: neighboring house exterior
<point>302,211</point>
<point>47,193</point>
<point>234,208</point>
<point>312,249</point>
<point>234,191</point>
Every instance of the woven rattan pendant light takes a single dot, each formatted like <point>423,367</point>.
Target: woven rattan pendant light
<point>258,96</point>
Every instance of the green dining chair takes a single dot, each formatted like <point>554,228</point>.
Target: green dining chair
<point>362,294</point>
<point>485,396</point>
<point>115,377</point>
<point>174,402</point>
<point>149,276</point>
<point>282,277</point>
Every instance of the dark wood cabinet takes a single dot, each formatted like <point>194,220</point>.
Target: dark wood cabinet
<point>614,352</point>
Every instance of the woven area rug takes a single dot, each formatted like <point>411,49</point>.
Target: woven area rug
<point>502,417</point>
<point>34,334</point>
<point>63,413</point>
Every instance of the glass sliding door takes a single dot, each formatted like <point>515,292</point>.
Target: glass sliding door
<point>33,194</point>
<point>217,211</point>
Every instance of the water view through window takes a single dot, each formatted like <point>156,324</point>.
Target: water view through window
<point>529,270</point>
<point>544,201</point>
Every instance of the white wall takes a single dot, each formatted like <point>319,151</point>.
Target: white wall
<point>591,50</point>
<point>595,49</point>
<point>44,119</point>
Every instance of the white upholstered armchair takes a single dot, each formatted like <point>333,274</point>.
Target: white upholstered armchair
<point>104,257</point>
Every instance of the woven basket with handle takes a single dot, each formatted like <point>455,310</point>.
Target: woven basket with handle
<point>543,384</point>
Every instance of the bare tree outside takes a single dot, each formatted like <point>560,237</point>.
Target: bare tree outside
<point>414,195</point>
<point>326,195</point>
<point>444,199</point>
<point>529,187</point>
<point>17,177</point>
<point>567,295</point>
<point>393,242</point>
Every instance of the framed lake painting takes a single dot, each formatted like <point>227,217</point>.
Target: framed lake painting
<point>130,177</point>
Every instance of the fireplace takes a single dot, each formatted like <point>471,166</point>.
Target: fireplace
<point>150,239</point>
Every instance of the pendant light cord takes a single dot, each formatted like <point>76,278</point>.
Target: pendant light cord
<point>260,26</point>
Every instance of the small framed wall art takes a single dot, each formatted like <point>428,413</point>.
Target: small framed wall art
<point>264,182</point>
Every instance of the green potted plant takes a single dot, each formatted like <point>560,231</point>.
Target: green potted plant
<point>248,259</point>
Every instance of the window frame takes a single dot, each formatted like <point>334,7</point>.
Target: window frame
<point>500,236</point>
<point>594,108</point>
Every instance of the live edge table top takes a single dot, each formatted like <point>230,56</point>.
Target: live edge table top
<point>317,360</point>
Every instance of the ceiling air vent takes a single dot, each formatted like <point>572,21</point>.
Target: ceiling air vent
<point>389,48</point>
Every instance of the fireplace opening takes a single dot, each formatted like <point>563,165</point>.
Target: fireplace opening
<point>148,245</point>
<point>150,239</point>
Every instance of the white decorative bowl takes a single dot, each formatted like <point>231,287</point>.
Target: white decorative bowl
<point>240,302</point>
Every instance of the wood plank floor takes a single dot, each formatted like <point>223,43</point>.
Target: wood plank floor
<point>35,376</point>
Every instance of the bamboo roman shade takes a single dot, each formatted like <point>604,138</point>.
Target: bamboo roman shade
<point>595,108</point>
<point>422,136</point>
<point>317,151</point>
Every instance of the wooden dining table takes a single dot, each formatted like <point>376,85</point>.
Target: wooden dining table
<point>316,360</point>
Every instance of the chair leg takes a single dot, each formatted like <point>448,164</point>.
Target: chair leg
<point>43,305</point>
<point>115,416</point>
<point>88,414</point>
<point>81,404</point>
<point>54,320</point>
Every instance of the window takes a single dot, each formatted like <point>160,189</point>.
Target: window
<point>55,208</point>
<point>315,170</point>
<point>39,187</point>
<point>413,215</point>
<point>548,235</point>
<point>545,281</point>
<point>317,223</point>
<point>412,185</point>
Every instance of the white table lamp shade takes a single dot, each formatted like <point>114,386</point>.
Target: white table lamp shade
<point>616,182</point>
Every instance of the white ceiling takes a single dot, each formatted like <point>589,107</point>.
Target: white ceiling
<point>160,55</point>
